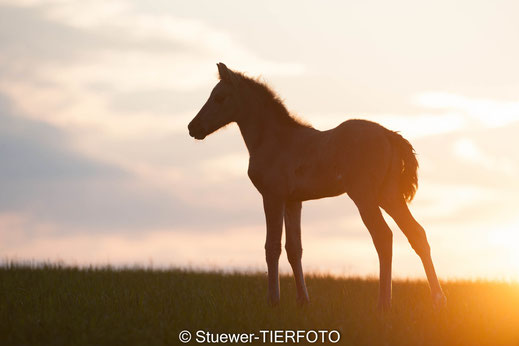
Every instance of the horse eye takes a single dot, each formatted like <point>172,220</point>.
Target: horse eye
<point>219,98</point>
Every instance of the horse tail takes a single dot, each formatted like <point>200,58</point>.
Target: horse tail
<point>408,165</point>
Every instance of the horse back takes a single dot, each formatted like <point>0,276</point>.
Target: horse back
<point>315,164</point>
<point>355,154</point>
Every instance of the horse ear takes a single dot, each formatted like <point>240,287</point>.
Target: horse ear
<point>225,74</point>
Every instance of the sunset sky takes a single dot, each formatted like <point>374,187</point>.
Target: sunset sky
<point>96,164</point>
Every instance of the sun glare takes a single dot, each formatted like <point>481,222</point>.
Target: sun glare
<point>506,241</point>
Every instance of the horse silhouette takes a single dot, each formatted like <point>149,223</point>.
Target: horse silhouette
<point>291,162</point>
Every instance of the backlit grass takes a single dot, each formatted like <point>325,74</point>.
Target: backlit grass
<point>54,305</point>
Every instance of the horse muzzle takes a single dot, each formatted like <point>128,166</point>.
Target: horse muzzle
<point>196,131</point>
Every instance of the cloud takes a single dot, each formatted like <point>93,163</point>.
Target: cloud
<point>481,156</point>
<point>467,150</point>
<point>44,178</point>
<point>117,97</point>
<point>91,53</point>
<point>34,151</point>
<point>487,112</point>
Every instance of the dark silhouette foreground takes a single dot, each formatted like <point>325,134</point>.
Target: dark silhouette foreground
<point>291,162</point>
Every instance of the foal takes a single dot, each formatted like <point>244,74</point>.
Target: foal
<point>291,162</point>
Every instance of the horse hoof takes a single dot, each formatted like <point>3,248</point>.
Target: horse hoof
<point>439,301</point>
<point>273,301</point>
<point>384,307</point>
<point>302,301</point>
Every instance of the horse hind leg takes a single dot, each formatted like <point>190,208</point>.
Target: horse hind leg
<point>397,208</point>
<point>383,241</point>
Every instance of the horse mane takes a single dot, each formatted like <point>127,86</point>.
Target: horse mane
<point>268,96</point>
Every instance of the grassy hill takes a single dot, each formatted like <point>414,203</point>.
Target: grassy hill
<point>53,305</point>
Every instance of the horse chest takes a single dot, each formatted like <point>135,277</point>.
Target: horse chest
<point>264,178</point>
<point>254,176</point>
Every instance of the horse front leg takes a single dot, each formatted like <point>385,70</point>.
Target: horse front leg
<point>294,248</point>
<point>274,209</point>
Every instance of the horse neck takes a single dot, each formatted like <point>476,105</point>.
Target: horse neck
<point>261,124</point>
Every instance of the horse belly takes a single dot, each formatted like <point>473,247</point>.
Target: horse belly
<point>320,185</point>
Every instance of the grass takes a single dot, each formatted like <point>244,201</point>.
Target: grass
<point>56,305</point>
